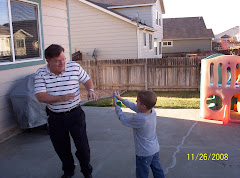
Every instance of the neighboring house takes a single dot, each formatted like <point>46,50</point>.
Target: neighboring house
<point>4,41</point>
<point>228,39</point>
<point>224,42</point>
<point>116,29</point>
<point>20,45</point>
<point>232,33</point>
<point>186,35</point>
<point>33,25</point>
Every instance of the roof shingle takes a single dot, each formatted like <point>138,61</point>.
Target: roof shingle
<point>188,27</point>
<point>4,30</point>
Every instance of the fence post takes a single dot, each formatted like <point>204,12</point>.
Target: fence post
<point>98,75</point>
<point>146,74</point>
<point>198,75</point>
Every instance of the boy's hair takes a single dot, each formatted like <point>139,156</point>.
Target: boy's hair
<point>53,50</point>
<point>148,98</point>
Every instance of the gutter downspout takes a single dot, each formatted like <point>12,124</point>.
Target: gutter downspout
<point>69,33</point>
<point>138,44</point>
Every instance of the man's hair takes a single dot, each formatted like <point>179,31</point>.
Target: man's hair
<point>53,50</point>
<point>148,98</point>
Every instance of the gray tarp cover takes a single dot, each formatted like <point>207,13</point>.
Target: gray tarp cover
<point>29,112</point>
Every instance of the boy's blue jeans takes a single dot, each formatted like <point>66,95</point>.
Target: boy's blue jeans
<point>143,163</point>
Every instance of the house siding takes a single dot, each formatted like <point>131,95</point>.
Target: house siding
<point>91,28</point>
<point>55,30</point>
<point>55,24</point>
<point>156,8</point>
<point>145,52</point>
<point>147,15</point>
<point>144,13</point>
<point>158,34</point>
<point>188,46</point>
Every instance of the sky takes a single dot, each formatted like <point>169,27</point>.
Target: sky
<point>20,12</point>
<point>3,12</point>
<point>218,15</point>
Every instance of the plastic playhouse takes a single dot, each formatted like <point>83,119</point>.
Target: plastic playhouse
<point>220,88</point>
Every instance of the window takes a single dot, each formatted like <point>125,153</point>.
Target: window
<point>20,43</point>
<point>19,31</point>
<point>155,46</point>
<point>167,43</point>
<point>159,16</point>
<point>150,42</point>
<point>144,39</point>
<point>160,48</point>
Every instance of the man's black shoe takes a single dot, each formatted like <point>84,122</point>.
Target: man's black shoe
<point>67,176</point>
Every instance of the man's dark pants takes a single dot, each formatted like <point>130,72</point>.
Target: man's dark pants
<point>73,122</point>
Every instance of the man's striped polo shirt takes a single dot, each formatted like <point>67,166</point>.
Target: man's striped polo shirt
<point>66,82</point>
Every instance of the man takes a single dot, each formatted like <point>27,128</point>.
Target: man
<point>57,84</point>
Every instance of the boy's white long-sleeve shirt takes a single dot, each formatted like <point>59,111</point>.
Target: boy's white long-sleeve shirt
<point>144,129</point>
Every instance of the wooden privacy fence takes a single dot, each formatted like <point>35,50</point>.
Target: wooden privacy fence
<point>157,74</point>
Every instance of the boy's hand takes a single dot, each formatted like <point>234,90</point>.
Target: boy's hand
<point>116,93</point>
<point>114,103</point>
<point>114,99</point>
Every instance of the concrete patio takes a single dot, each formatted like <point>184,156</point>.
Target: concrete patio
<point>181,135</point>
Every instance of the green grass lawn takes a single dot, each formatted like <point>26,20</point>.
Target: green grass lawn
<point>165,99</point>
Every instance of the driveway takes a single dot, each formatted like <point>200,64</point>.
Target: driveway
<point>190,148</point>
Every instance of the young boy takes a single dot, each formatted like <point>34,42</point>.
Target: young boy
<point>144,131</point>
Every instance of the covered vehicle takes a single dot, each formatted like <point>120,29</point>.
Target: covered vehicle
<point>28,111</point>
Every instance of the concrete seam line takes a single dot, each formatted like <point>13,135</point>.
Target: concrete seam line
<point>178,149</point>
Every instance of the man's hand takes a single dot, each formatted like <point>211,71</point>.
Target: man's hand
<point>49,99</point>
<point>92,96</point>
<point>68,97</point>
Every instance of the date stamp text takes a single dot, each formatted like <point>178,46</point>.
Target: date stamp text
<point>207,157</point>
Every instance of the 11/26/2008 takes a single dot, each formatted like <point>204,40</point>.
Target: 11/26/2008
<point>207,156</point>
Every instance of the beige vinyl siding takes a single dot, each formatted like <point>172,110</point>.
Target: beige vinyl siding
<point>145,13</point>
<point>55,24</point>
<point>145,52</point>
<point>156,8</point>
<point>91,28</point>
<point>188,46</point>
<point>55,30</point>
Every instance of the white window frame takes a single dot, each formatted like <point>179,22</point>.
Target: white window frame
<point>164,45</point>
<point>12,40</point>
